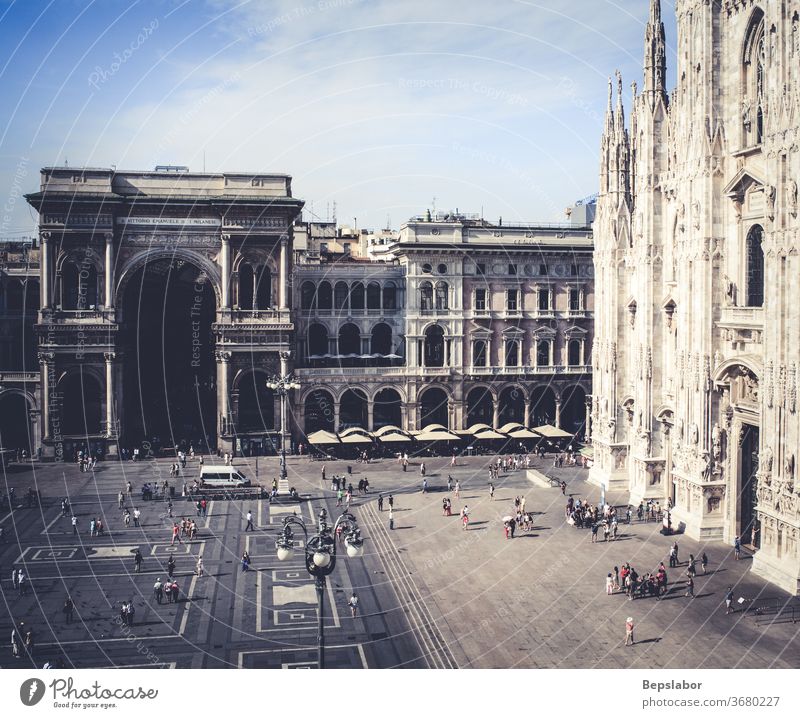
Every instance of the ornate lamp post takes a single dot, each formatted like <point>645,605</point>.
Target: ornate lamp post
<point>320,554</point>
<point>282,384</point>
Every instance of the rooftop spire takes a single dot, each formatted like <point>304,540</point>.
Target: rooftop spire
<point>655,55</point>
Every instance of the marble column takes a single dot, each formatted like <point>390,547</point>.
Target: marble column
<point>46,284</point>
<point>109,357</point>
<point>587,429</point>
<point>223,402</point>
<point>225,268</point>
<point>495,413</point>
<point>109,271</point>
<point>527,419</point>
<point>558,413</point>
<point>370,414</point>
<point>284,274</point>
<point>44,364</point>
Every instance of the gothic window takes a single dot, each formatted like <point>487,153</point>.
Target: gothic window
<point>426,296</point>
<point>373,296</point>
<point>754,75</point>
<point>441,295</point>
<point>434,346</point>
<point>307,296</point>
<point>755,267</point>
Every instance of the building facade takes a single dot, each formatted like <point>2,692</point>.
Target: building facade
<point>696,254</point>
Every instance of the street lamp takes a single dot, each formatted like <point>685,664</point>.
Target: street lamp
<point>320,552</point>
<point>282,385</point>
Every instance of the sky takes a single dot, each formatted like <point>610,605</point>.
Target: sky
<point>379,109</point>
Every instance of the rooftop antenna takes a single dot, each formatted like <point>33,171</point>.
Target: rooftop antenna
<point>334,211</point>
<point>327,211</point>
<point>433,203</point>
<point>204,161</point>
<point>388,221</point>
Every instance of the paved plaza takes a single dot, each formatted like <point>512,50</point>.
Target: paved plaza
<point>431,594</point>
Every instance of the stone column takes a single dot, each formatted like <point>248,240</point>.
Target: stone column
<point>109,271</point>
<point>587,429</point>
<point>335,416</point>
<point>46,283</point>
<point>109,357</point>
<point>44,364</point>
<point>284,273</point>
<point>527,419</point>
<point>370,414</point>
<point>495,413</point>
<point>404,417</point>
<point>222,391</point>
<point>225,267</point>
<point>558,413</point>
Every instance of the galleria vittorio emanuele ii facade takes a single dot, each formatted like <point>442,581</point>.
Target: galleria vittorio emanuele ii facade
<point>697,297</point>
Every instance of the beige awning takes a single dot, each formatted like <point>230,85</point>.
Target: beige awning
<point>323,437</point>
<point>476,428</point>
<point>354,439</point>
<point>510,426</point>
<point>433,427</point>
<point>587,451</point>
<point>427,435</point>
<point>393,438</point>
<point>491,434</point>
<point>354,430</point>
<point>387,430</point>
<point>523,434</point>
<point>551,432</point>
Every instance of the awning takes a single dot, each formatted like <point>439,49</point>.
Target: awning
<point>491,434</point>
<point>510,426</point>
<point>477,428</point>
<point>386,430</point>
<point>355,439</point>
<point>551,432</point>
<point>523,434</point>
<point>433,427</point>
<point>355,430</point>
<point>438,435</point>
<point>587,451</point>
<point>323,437</point>
<point>393,438</point>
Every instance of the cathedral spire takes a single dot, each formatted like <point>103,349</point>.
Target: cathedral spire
<point>619,114</point>
<point>655,56</point>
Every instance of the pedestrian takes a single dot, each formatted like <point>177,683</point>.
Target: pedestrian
<point>22,583</point>
<point>465,518</point>
<point>74,521</point>
<point>15,642</point>
<point>171,567</point>
<point>136,515</point>
<point>29,645</point>
<point>491,492</point>
<point>353,603</point>
<point>422,469</point>
<point>449,483</point>
<point>158,590</point>
<point>249,526</point>
<point>200,566</point>
<point>391,518</point>
<point>737,548</point>
<point>137,560</point>
<point>457,493</point>
<point>609,585</point>
<point>120,499</point>
<point>14,577</point>
<point>729,600</point>
<point>175,534</point>
<point>629,631</point>
<point>424,486</point>
<point>512,525</point>
<point>564,488</point>
<point>68,608</point>
<point>704,562</point>
<point>391,502</point>
<point>245,561</point>
<point>673,556</point>
<point>168,591</point>
<point>380,502</point>
<point>595,527</point>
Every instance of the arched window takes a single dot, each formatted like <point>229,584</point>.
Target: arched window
<point>755,267</point>
<point>434,346</point>
<point>512,352</point>
<point>79,286</point>
<point>426,296</point>
<point>543,353</point>
<point>317,340</point>
<point>340,296</point>
<point>373,295</point>
<point>307,296</point>
<point>264,288</point>
<point>754,76</point>
<point>245,286</point>
<point>349,340</point>
<point>357,297</point>
<point>479,353</point>
<point>441,295</point>
<point>324,296</point>
<point>381,340</point>
<point>574,352</point>
<point>389,296</point>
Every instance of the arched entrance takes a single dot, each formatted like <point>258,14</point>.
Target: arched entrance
<point>480,407</point>
<point>256,404</point>
<point>353,409</point>
<point>80,404</point>
<point>543,406</point>
<point>433,408</point>
<point>512,406</point>
<point>573,410</point>
<point>387,409</point>
<point>14,421</point>
<point>319,412</point>
<point>169,382</point>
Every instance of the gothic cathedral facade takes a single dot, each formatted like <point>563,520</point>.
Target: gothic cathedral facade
<point>697,314</point>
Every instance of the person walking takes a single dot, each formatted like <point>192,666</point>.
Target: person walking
<point>380,502</point>
<point>136,515</point>
<point>690,587</point>
<point>137,561</point>
<point>199,568</point>
<point>68,608</point>
<point>74,522</point>
<point>158,590</point>
<point>673,556</point>
<point>729,600</point>
<point>353,603</point>
<point>245,561</point>
<point>704,562</point>
<point>391,502</point>
<point>249,526</point>
<point>465,518</point>
<point>14,577</point>
<point>171,567</point>
<point>121,499</point>
<point>457,492</point>
<point>422,469</point>
<point>391,518</point>
<point>16,642</point>
<point>176,535</point>
<point>629,631</point>
<point>609,584</point>
<point>424,486</point>
<point>737,548</point>
<point>491,492</point>
<point>22,583</point>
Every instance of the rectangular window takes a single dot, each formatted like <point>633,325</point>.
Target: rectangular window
<point>481,269</point>
<point>574,300</point>
<point>544,300</point>
<point>512,270</point>
<point>480,300</point>
<point>511,300</point>
<point>543,270</point>
<point>573,270</point>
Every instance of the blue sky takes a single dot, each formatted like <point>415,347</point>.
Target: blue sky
<point>377,105</point>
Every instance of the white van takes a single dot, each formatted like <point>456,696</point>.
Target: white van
<point>222,477</point>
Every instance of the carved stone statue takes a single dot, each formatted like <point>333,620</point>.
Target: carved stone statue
<point>694,433</point>
<point>746,119</point>
<point>769,197</point>
<point>716,443</point>
<point>766,460</point>
<point>791,197</point>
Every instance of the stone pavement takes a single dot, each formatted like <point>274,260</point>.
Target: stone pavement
<point>431,594</point>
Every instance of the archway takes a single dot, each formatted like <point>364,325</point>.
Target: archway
<point>349,344</point>
<point>353,409</point>
<point>381,342</point>
<point>246,282</point>
<point>319,412</point>
<point>80,404</point>
<point>14,421</point>
<point>433,408</point>
<point>543,406</point>
<point>264,288</point>
<point>573,411</point>
<point>512,406</point>
<point>169,384</point>
<point>434,346</point>
<point>317,340</point>
<point>256,404</point>
<point>480,407</point>
<point>387,409</point>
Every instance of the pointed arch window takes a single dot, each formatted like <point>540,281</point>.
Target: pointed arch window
<point>755,266</point>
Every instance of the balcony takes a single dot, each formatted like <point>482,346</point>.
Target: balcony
<point>742,318</point>
<point>19,377</point>
<point>350,371</point>
<point>76,316</point>
<point>528,370</point>
<point>259,316</point>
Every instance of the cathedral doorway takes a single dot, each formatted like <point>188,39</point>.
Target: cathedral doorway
<point>169,379</point>
<point>749,527</point>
